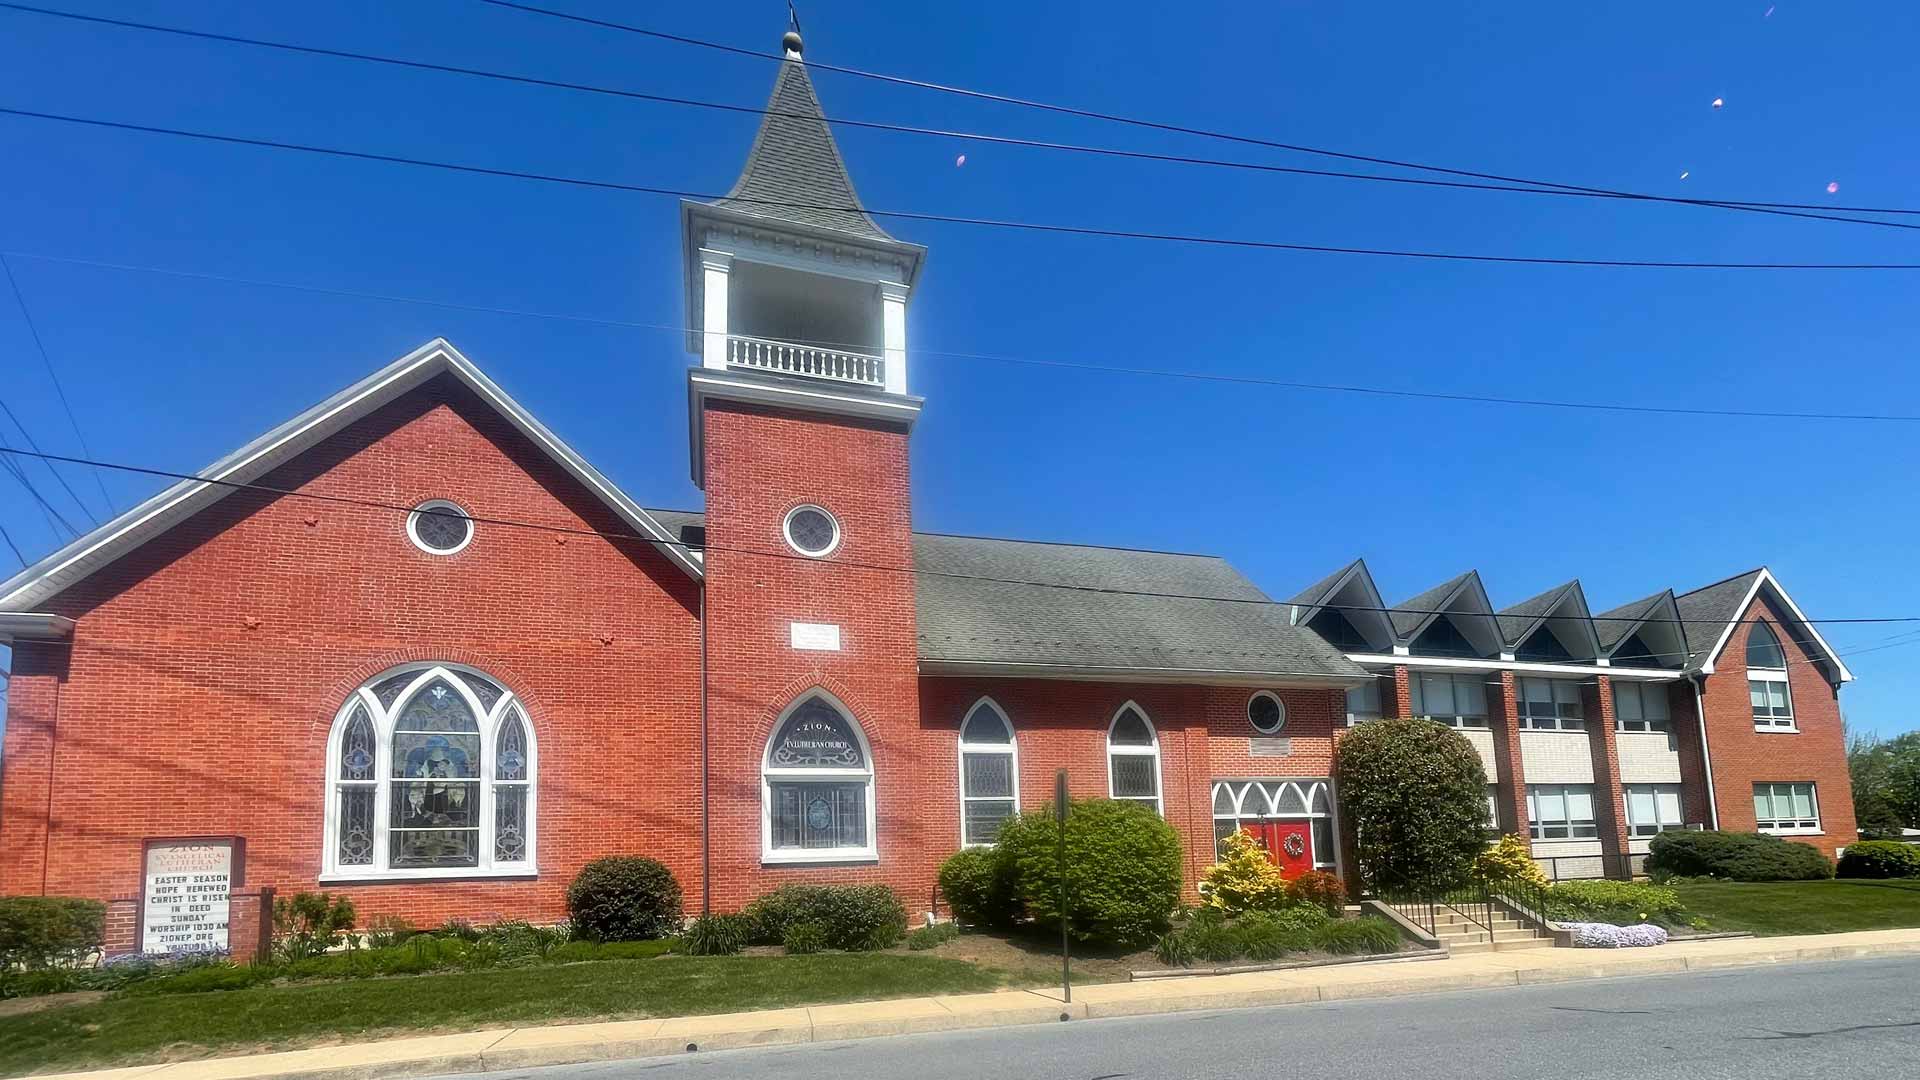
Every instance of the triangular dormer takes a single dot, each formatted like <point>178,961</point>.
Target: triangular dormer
<point>1345,609</point>
<point>1451,619</point>
<point>1553,627</point>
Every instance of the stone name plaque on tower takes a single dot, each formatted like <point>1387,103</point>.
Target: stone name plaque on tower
<point>186,892</point>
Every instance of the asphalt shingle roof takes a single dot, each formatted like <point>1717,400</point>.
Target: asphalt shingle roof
<point>1409,614</point>
<point>1518,619</point>
<point>1317,592</point>
<point>1613,625</point>
<point>1099,619</point>
<point>795,160</point>
<point>1706,611</point>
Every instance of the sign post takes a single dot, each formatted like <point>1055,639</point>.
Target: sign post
<point>1066,948</point>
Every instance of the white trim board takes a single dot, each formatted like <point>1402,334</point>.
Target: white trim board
<point>1766,578</point>
<point>122,535</point>
<point>1445,663</point>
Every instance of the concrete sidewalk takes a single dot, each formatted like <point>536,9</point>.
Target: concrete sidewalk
<point>511,1048</point>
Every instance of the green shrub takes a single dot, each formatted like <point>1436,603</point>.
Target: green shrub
<point>40,932</point>
<point>854,918</point>
<point>1879,859</point>
<point>1267,936</point>
<point>386,931</point>
<point>519,942</point>
<point>1732,856</point>
<point>718,935</point>
<point>978,884</point>
<point>308,924</point>
<point>803,939</point>
<point>929,937</point>
<point>458,930</point>
<point>624,898</point>
<point>1243,878</point>
<point>1123,870</point>
<point>1622,903</point>
<point>1508,863</point>
<point>1358,936</point>
<point>1211,938</point>
<point>1416,793</point>
<point>207,978</point>
<point>574,952</point>
<point>1171,948</point>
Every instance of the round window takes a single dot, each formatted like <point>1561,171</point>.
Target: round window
<point>1267,713</point>
<point>439,527</point>
<point>812,531</point>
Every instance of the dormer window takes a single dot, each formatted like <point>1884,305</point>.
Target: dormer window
<point>1543,647</point>
<point>1767,680</point>
<point>1443,638</point>
<point>1339,632</point>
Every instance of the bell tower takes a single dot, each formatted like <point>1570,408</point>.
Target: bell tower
<point>800,416</point>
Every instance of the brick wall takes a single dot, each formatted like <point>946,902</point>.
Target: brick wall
<point>208,666</point>
<point>1743,756</point>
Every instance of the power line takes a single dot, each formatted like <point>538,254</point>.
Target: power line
<point>61,391</point>
<point>1250,380</point>
<point>55,520</point>
<point>55,473</point>
<point>376,504</point>
<point>908,215</point>
<point>15,548</point>
<point>1001,140</point>
<point>1090,114</point>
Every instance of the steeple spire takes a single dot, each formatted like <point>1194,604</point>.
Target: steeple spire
<point>794,172</point>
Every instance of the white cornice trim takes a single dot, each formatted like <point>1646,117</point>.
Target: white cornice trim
<point>34,586</point>
<point>1447,663</point>
<point>1767,579</point>
<point>817,396</point>
<point>34,626</point>
<point>1182,676</point>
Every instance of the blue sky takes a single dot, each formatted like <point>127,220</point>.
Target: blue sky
<point>173,372</point>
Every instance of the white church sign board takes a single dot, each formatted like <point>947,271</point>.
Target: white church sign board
<point>186,893</point>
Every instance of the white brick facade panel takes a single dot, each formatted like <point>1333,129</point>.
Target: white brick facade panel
<point>1648,757</point>
<point>1483,742</point>
<point>1556,757</point>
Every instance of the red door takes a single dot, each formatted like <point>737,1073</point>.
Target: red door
<point>1289,844</point>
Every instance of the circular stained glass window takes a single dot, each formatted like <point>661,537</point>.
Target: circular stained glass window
<point>1266,712</point>
<point>812,531</point>
<point>439,527</point>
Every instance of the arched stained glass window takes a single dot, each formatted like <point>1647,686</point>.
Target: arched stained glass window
<point>1767,682</point>
<point>989,773</point>
<point>817,786</point>
<point>433,776</point>
<point>1133,758</point>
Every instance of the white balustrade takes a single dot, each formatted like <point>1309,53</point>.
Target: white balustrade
<point>761,354</point>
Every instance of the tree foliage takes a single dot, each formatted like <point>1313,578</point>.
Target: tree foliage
<point>1886,782</point>
<point>1416,793</point>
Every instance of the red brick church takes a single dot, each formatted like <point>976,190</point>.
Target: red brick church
<point>411,647</point>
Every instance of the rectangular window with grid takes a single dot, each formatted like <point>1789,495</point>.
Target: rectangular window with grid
<point>1454,700</point>
<point>1786,808</point>
<point>1550,705</point>
<point>1561,811</point>
<point>1772,704</point>
<point>1363,702</point>
<point>1641,707</point>
<point>1652,808</point>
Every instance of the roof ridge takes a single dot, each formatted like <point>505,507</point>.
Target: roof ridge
<point>1762,568</point>
<point>1073,544</point>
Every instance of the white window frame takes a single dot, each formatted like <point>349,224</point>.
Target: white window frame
<point>382,784</point>
<point>1011,748</point>
<point>1471,721</point>
<point>786,531</point>
<point>1278,704</point>
<point>769,773</point>
<point>1556,722</point>
<point>1640,693</point>
<point>1767,678</point>
<point>1789,826</point>
<point>1642,829</point>
<point>1567,821</point>
<point>413,531</point>
<point>1152,750</point>
<point>1256,801</point>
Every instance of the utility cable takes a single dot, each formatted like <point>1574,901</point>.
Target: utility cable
<point>1826,214</point>
<point>907,215</point>
<point>26,313</point>
<point>1115,369</point>
<point>55,473</point>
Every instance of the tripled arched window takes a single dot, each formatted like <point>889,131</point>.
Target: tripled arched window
<point>1767,680</point>
<point>989,773</point>
<point>430,774</point>
<point>817,786</point>
<point>1133,757</point>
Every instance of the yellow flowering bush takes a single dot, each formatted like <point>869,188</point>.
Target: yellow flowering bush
<point>1244,879</point>
<point>1510,860</point>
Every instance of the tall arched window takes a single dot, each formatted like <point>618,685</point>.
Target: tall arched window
<point>430,774</point>
<point>1133,757</point>
<point>989,773</point>
<point>817,786</point>
<point>1767,680</point>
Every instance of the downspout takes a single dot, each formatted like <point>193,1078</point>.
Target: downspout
<point>706,832</point>
<point>1706,755</point>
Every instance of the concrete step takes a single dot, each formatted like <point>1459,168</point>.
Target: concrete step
<point>1535,942</point>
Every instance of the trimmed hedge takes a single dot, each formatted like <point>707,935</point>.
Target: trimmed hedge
<point>1266,936</point>
<point>856,918</point>
<point>1622,903</point>
<point>1416,793</point>
<point>624,898</point>
<point>1733,856</point>
<point>978,886</point>
<point>40,932</point>
<point>1123,869</point>
<point>1879,859</point>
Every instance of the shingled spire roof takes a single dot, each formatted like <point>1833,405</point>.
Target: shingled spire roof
<point>794,173</point>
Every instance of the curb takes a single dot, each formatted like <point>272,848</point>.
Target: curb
<point>571,1044</point>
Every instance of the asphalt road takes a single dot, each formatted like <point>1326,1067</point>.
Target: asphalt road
<point>1860,1018</point>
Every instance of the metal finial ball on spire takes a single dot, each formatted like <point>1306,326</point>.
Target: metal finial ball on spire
<point>791,42</point>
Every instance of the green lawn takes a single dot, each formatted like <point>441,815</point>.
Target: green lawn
<point>132,1028</point>
<point>1805,907</point>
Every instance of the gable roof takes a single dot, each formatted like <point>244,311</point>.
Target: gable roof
<point>1613,626</point>
<point>1518,621</point>
<point>1318,592</point>
<point>794,160</point>
<point>1410,615</point>
<point>35,585</point>
<point>1709,615</point>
